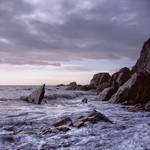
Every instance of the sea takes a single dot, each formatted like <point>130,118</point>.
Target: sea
<point>27,126</point>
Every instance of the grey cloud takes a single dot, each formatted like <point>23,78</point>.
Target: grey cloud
<point>63,30</point>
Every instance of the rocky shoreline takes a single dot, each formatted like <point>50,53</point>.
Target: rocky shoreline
<point>127,86</point>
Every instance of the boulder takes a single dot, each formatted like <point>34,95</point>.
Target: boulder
<point>37,96</point>
<point>136,90</point>
<point>121,76</point>
<point>106,94</point>
<point>100,78</point>
<point>143,63</point>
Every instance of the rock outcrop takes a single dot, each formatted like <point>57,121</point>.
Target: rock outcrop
<point>143,63</point>
<point>131,86</point>
<point>36,96</point>
<point>135,91</point>
<point>117,79</point>
<point>121,76</point>
<point>99,79</point>
<point>91,117</point>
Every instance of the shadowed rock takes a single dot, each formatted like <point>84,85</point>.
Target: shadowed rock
<point>135,90</point>
<point>121,76</point>
<point>106,94</point>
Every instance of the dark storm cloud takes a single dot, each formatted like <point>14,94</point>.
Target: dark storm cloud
<point>38,32</point>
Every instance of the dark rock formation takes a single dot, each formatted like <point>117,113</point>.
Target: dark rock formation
<point>84,100</point>
<point>63,121</point>
<point>36,96</point>
<point>82,120</point>
<point>102,86</point>
<point>99,79</point>
<point>121,76</point>
<point>75,86</point>
<point>136,90</point>
<point>143,63</point>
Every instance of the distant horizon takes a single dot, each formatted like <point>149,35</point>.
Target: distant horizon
<point>60,41</point>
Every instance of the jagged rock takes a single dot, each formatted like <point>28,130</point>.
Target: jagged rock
<point>100,78</point>
<point>121,76</point>
<point>135,90</point>
<point>36,96</point>
<point>143,63</point>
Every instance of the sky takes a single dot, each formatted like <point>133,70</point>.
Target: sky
<point>59,41</point>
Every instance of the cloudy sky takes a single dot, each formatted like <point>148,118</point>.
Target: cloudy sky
<point>58,41</point>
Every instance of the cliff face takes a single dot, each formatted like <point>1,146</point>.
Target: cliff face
<point>143,63</point>
<point>134,87</point>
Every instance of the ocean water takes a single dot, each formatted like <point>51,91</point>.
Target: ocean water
<point>22,124</point>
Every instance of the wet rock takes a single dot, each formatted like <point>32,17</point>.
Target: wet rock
<point>90,118</point>
<point>63,129</point>
<point>26,146</point>
<point>50,131</point>
<point>121,76</point>
<point>84,100</point>
<point>135,90</point>
<point>100,78</point>
<point>63,121</point>
<point>82,120</point>
<point>143,63</point>
<point>36,96</point>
